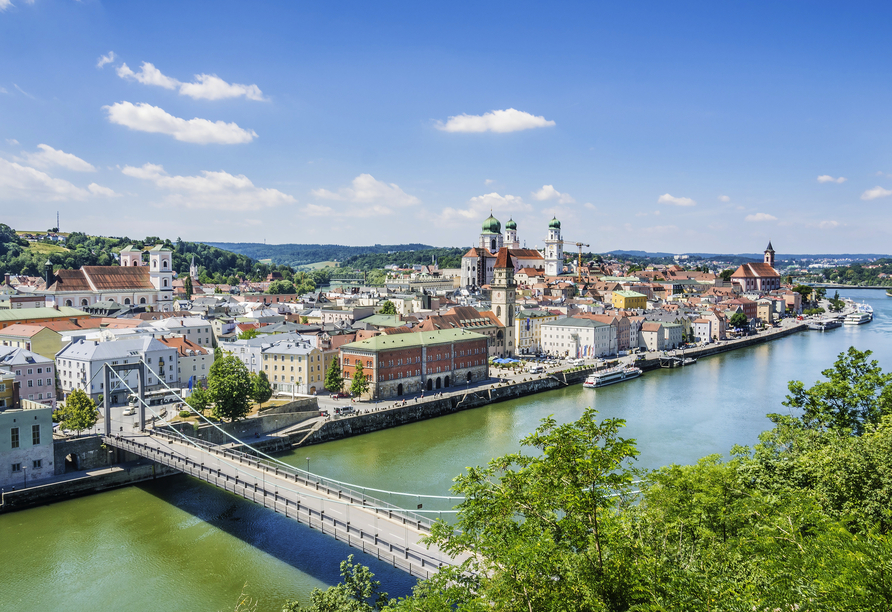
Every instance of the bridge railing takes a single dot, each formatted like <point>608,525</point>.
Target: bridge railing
<point>319,483</point>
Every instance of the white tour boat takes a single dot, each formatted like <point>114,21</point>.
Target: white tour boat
<point>611,376</point>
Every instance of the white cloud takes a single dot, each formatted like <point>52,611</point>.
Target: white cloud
<point>211,190</point>
<point>548,192</point>
<point>479,207</point>
<point>876,192</point>
<point>205,86</point>
<point>12,141</point>
<point>147,118</point>
<point>5,4</point>
<point>105,59</point>
<point>3,90</point>
<point>489,181</point>
<point>23,92</point>
<point>590,206</point>
<point>509,120</point>
<point>19,182</point>
<point>760,217</point>
<point>669,199</point>
<point>102,191</point>
<point>315,210</point>
<point>366,189</point>
<point>828,224</point>
<point>724,198</point>
<point>48,156</point>
<point>212,87</point>
<point>147,75</point>
<point>826,178</point>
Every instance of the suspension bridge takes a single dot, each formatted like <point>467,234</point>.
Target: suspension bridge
<point>343,511</point>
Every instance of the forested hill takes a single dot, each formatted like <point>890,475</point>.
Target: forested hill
<point>448,257</point>
<point>304,254</point>
<point>19,256</point>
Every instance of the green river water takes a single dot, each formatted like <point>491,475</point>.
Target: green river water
<point>179,544</point>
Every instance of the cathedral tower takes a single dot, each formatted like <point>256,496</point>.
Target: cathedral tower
<point>769,255</point>
<point>504,298</point>
<point>554,249</point>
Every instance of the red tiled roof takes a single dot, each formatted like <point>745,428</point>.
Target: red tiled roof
<point>182,345</point>
<point>502,260</point>
<point>755,270</point>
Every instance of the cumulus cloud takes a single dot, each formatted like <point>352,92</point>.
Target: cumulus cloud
<point>212,87</point>
<point>548,192</point>
<point>48,156</point>
<point>489,181</point>
<point>724,198</point>
<point>590,206</point>
<point>205,86</point>
<point>19,183</point>
<point>210,191</point>
<point>827,224</point>
<point>5,4</point>
<point>12,141</point>
<point>147,118</point>
<point>826,178</point>
<point>509,120</point>
<point>365,189</point>
<point>669,199</point>
<point>316,210</point>
<point>479,207</point>
<point>760,217</point>
<point>105,59</point>
<point>876,192</point>
<point>102,191</point>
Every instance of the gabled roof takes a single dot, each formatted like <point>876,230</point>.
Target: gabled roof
<point>412,340</point>
<point>502,260</point>
<point>755,270</point>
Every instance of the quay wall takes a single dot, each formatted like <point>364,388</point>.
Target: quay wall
<point>79,485</point>
<point>433,407</point>
<point>268,421</point>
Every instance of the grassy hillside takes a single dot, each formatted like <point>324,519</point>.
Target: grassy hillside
<point>300,255</point>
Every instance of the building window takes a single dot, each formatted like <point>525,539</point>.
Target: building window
<point>16,467</point>
<point>14,437</point>
<point>37,464</point>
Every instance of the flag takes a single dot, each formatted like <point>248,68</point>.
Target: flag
<point>528,324</point>
<point>190,383</point>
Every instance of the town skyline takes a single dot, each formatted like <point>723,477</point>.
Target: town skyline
<point>677,130</point>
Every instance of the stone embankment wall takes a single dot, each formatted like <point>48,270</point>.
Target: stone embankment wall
<point>430,408</point>
<point>268,421</point>
<point>87,454</point>
<point>56,491</point>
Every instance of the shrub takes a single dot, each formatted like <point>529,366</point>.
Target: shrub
<point>185,414</point>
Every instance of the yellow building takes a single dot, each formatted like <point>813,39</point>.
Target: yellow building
<point>35,338</point>
<point>629,300</point>
<point>7,390</point>
<point>528,329</point>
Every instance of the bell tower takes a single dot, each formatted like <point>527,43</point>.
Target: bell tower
<point>769,255</point>
<point>504,297</point>
<point>554,249</point>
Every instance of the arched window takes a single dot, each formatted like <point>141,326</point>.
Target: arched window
<point>68,302</point>
<point>135,263</point>
<point>499,312</point>
<point>493,243</point>
<point>142,300</point>
<point>127,301</point>
<point>164,265</point>
<point>84,302</point>
<point>164,283</point>
<point>154,263</point>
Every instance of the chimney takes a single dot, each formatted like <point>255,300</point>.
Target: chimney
<point>48,273</point>
<point>73,321</point>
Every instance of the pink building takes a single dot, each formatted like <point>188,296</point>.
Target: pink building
<point>35,374</point>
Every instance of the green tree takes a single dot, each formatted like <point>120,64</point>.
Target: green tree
<point>199,399</point>
<point>358,592</point>
<point>725,275</point>
<point>804,290</point>
<point>360,383</point>
<point>334,380</point>
<point>187,285</point>
<point>248,334</point>
<point>388,308</point>
<point>281,287</point>
<point>230,388</point>
<point>738,320</point>
<point>262,390</point>
<point>542,529</point>
<point>856,394</point>
<point>79,412</point>
<point>304,320</point>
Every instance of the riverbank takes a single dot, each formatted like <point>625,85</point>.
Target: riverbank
<point>378,417</point>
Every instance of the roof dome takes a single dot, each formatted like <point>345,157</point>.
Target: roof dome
<point>511,225</point>
<point>492,226</point>
<point>554,224</point>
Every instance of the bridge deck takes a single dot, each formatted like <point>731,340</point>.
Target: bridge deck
<point>390,534</point>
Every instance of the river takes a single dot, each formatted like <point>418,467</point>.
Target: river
<point>179,544</point>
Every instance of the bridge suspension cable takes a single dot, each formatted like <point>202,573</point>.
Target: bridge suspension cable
<point>280,485</point>
<point>280,462</point>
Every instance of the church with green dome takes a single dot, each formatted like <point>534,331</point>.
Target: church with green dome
<point>478,263</point>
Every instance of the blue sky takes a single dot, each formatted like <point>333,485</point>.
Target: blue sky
<point>656,126</point>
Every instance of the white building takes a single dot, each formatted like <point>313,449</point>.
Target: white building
<point>477,267</point>
<point>528,330</point>
<point>570,337</point>
<point>80,366</point>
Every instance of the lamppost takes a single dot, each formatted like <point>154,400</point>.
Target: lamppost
<point>308,465</point>
<point>25,474</point>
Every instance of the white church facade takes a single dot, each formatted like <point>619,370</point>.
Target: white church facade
<point>478,264</point>
<point>131,283</point>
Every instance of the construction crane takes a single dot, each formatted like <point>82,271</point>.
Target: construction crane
<point>579,245</point>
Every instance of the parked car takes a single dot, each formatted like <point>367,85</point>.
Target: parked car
<point>129,411</point>
<point>344,410</point>
<point>339,395</point>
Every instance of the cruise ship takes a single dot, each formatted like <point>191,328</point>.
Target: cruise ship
<point>858,318</point>
<point>824,324</point>
<point>611,376</point>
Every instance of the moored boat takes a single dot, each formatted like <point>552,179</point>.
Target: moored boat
<point>613,375</point>
<point>824,324</point>
<point>858,318</point>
